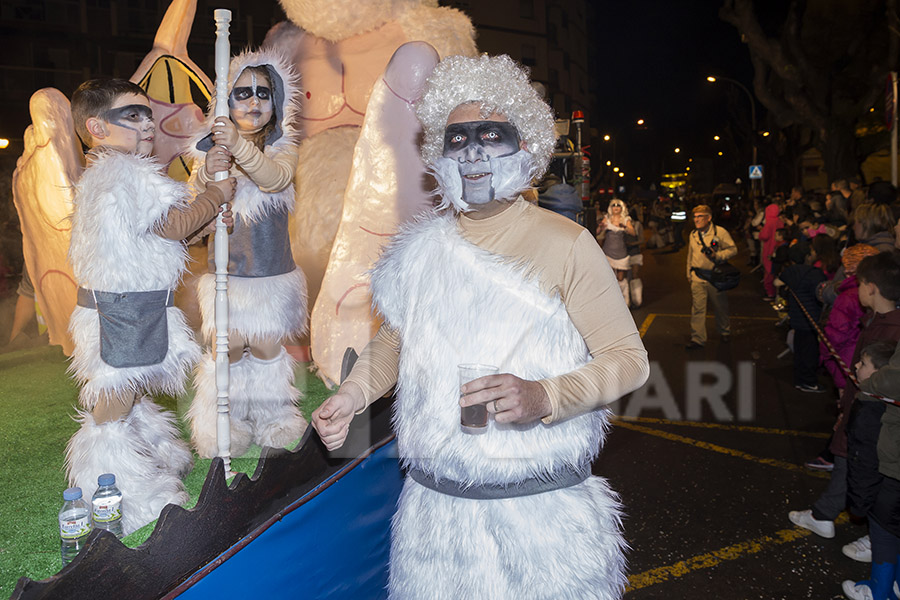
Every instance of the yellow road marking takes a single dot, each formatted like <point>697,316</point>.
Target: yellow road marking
<point>771,462</point>
<point>646,324</point>
<point>703,425</point>
<point>711,316</point>
<point>711,559</point>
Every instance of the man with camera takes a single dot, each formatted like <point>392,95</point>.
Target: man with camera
<point>707,245</point>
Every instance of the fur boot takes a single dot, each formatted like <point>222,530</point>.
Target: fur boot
<point>157,427</point>
<point>271,397</point>
<point>623,285</point>
<point>637,292</point>
<point>203,415</point>
<point>117,447</point>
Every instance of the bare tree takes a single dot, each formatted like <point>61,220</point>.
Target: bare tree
<point>824,69</point>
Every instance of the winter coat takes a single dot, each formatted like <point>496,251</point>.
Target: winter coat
<point>878,327</point>
<point>802,280</point>
<point>842,329</point>
<point>886,382</point>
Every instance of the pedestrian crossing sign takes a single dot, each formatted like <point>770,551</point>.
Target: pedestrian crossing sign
<point>756,172</point>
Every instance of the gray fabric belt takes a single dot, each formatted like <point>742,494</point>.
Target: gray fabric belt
<point>86,297</point>
<point>562,478</point>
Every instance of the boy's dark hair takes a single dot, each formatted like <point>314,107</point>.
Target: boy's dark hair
<point>96,96</point>
<point>879,353</point>
<point>882,269</point>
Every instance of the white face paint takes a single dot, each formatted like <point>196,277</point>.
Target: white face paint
<point>482,161</point>
<point>251,102</point>
<point>474,145</point>
<point>130,125</point>
<point>509,175</point>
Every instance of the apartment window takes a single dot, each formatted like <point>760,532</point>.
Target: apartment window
<point>529,55</point>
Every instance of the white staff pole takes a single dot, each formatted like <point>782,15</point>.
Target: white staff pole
<point>222,17</point>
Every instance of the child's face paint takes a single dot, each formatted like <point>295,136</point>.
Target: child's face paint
<point>251,102</point>
<point>130,125</point>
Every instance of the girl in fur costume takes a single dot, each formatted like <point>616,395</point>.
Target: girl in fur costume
<point>266,290</point>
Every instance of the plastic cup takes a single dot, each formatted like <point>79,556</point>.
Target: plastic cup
<point>475,416</point>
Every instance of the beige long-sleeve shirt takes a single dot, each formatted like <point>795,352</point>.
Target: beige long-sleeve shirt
<point>568,261</point>
<point>270,173</point>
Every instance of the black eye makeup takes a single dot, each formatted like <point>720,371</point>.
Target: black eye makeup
<point>132,113</point>
<point>241,94</point>
<point>486,133</point>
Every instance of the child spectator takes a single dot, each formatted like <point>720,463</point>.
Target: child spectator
<point>801,279</point>
<point>842,326</point>
<point>127,255</point>
<point>767,237</point>
<point>880,375</point>
<point>827,257</point>
<point>879,290</point>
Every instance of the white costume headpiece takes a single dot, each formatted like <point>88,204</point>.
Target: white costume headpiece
<point>500,85</point>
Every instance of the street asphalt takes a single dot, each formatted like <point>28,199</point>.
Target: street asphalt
<point>708,456</point>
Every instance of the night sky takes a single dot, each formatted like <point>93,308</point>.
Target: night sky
<point>653,57</point>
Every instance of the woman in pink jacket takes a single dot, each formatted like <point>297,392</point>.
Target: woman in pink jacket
<point>767,237</point>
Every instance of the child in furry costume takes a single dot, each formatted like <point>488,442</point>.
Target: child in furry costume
<point>511,512</point>
<point>127,255</point>
<point>266,290</point>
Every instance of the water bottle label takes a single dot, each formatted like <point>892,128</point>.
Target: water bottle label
<point>106,510</point>
<point>76,527</point>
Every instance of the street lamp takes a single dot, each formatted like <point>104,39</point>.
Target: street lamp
<point>712,79</point>
<point>640,121</point>
<point>677,150</point>
<point>716,138</point>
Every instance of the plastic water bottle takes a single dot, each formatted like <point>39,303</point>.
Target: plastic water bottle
<point>74,524</point>
<point>106,505</point>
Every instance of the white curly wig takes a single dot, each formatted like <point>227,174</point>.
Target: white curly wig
<point>500,85</point>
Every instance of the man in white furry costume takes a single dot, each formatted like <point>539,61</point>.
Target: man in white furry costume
<point>266,290</point>
<point>513,511</point>
<point>127,255</point>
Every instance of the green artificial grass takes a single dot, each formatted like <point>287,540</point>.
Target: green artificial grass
<point>37,401</point>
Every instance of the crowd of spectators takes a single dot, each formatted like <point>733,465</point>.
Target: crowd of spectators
<point>832,264</point>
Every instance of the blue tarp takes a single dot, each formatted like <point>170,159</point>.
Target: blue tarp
<point>334,546</point>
